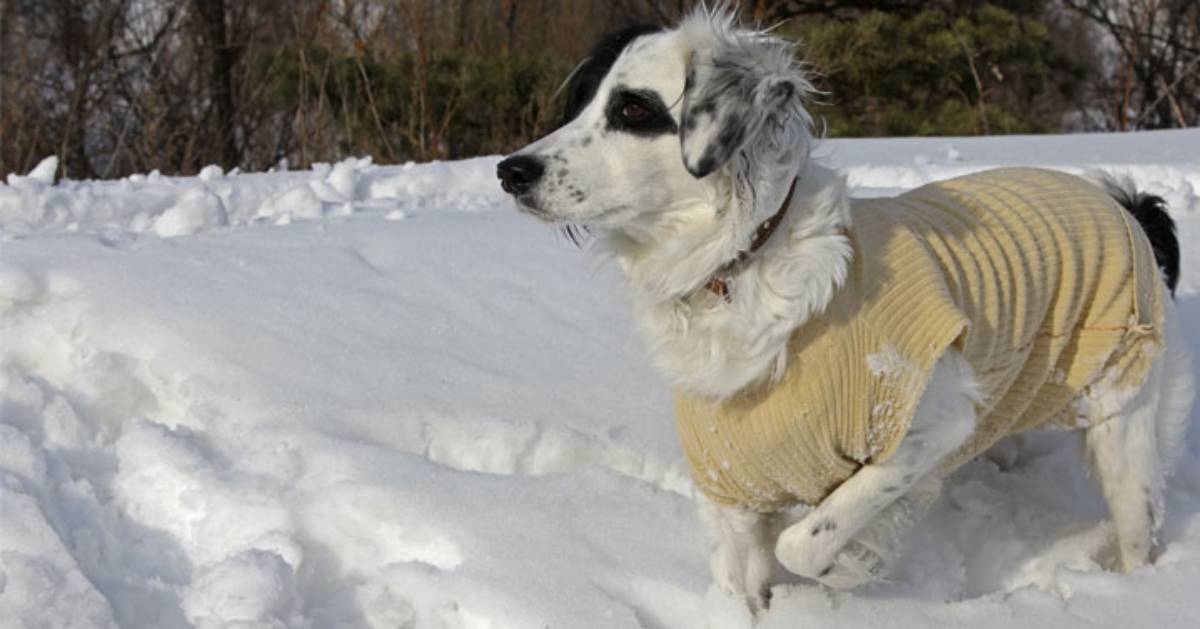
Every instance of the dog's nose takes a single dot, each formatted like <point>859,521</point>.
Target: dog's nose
<point>518,173</point>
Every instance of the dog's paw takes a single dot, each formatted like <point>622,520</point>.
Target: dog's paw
<point>756,597</point>
<point>743,575</point>
<point>760,601</point>
<point>808,547</point>
<point>856,564</point>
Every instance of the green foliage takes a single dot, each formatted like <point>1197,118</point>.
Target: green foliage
<point>456,103</point>
<point>952,68</point>
<point>508,101</point>
<point>885,74</point>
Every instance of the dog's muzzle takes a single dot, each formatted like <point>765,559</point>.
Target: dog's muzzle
<point>519,173</point>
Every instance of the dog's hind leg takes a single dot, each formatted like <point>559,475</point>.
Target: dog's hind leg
<point>1178,391</point>
<point>1132,452</point>
<point>1123,452</point>
<point>741,560</point>
<point>944,419</point>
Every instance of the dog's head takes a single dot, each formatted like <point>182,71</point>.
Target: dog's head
<point>659,120</point>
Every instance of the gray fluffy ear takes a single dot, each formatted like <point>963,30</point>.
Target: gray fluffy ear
<point>730,99</point>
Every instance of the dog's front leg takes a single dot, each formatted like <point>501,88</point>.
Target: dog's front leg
<point>944,419</point>
<point>741,560</point>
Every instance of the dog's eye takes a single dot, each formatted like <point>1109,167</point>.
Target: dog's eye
<point>638,112</point>
<point>634,111</point>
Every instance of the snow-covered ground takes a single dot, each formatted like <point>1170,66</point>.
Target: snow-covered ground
<point>365,396</point>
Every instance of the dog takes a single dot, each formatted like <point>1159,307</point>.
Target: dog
<point>984,305</point>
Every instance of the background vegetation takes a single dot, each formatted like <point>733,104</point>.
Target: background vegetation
<point>121,86</point>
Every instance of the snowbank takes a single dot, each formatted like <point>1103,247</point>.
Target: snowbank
<point>373,396</point>
<point>178,206</point>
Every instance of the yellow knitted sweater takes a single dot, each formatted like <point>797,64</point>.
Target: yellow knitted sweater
<point>1039,278</point>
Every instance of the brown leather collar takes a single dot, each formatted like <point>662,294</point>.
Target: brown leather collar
<point>717,284</point>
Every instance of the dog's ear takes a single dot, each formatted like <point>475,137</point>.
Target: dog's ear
<point>729,101</point>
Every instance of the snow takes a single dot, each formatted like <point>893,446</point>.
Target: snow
<point>374,396</point>
<point>889,364</point>
<point>180,206</point>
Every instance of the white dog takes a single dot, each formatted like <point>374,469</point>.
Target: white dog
<point>687,153</point>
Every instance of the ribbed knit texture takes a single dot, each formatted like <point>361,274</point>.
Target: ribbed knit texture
<point>1039,278</point>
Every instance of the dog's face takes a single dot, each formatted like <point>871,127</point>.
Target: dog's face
<point>653,119</point>
<point>619,152</point>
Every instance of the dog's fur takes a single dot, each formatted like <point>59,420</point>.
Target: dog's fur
<point>678,144</point>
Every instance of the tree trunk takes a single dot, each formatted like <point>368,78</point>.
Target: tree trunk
<point>220,78</point>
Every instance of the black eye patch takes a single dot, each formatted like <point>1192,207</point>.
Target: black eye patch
<point>587,77</point>
<point>640,112</point>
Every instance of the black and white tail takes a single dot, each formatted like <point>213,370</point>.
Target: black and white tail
<point>1151,212</point>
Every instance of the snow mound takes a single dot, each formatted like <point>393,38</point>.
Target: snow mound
<point>175,206</point>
